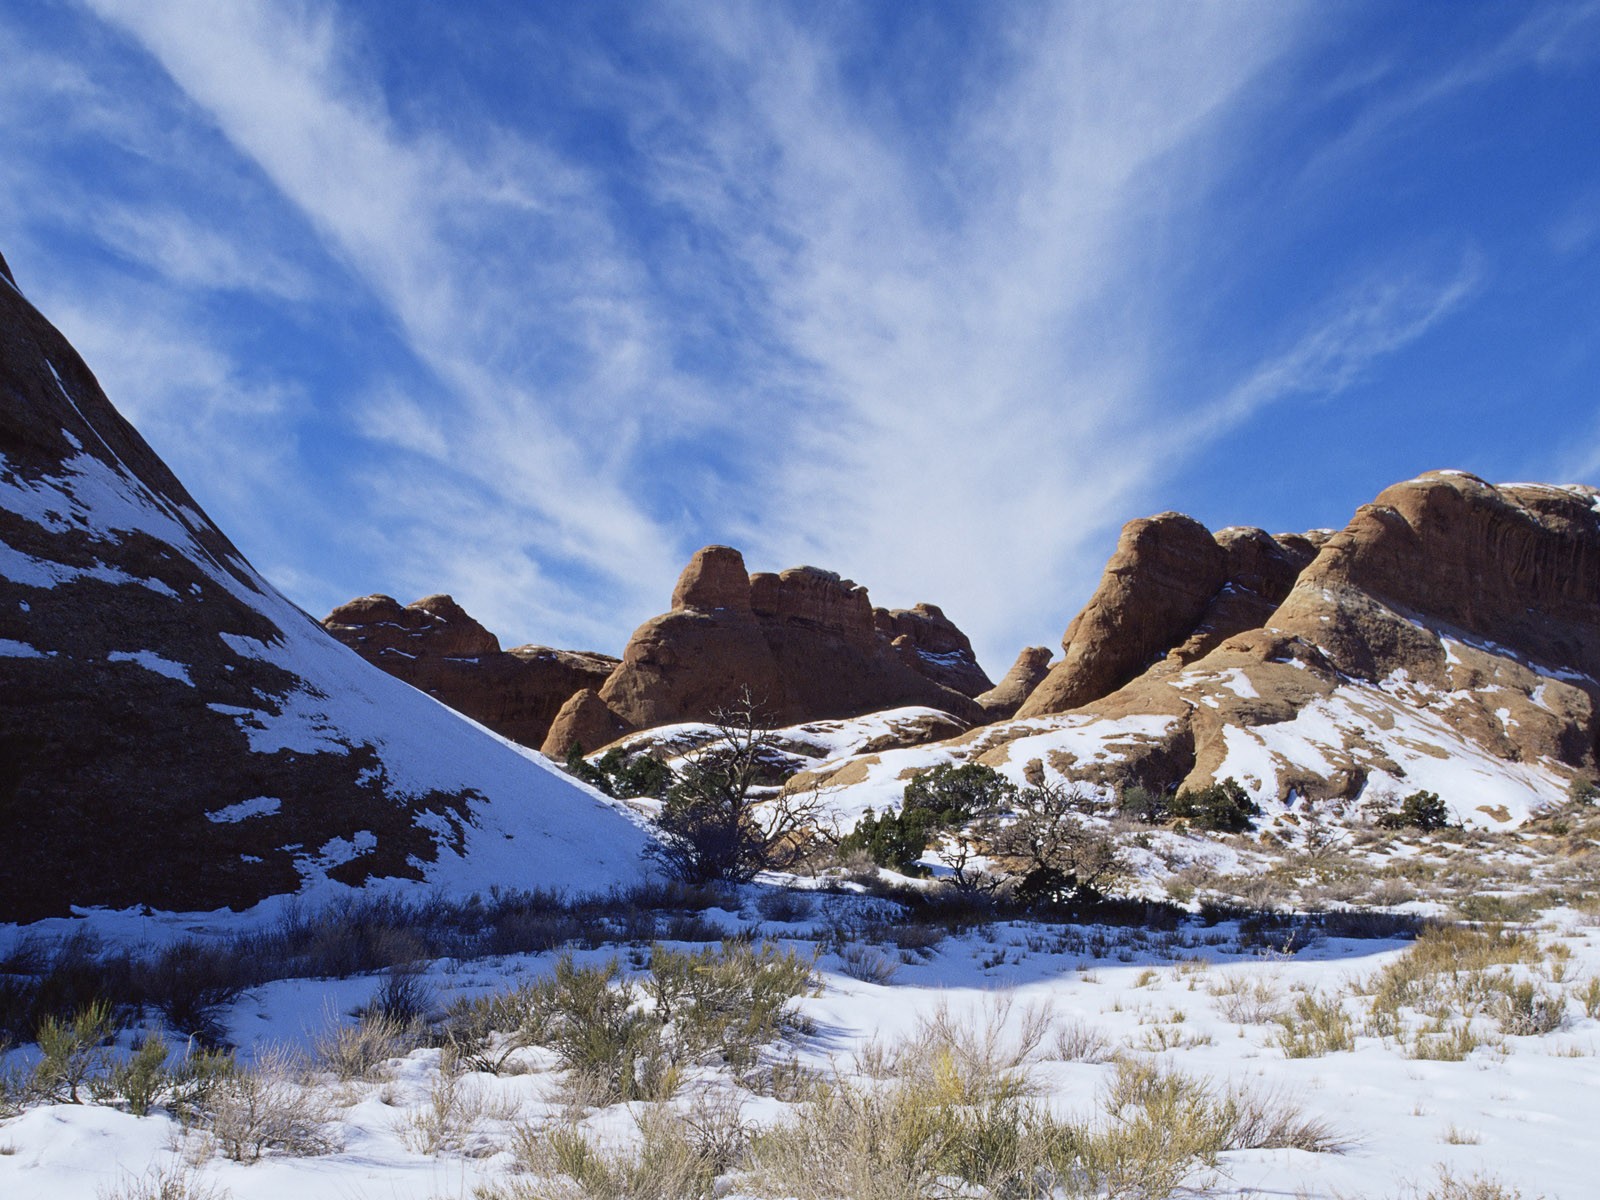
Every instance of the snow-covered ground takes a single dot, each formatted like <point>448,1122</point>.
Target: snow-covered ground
<point>1214,1002</point>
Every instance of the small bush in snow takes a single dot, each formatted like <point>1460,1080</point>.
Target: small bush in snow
<point>589,1016</point>
<point>359,1051</point>
<point>720,820</point>
<point>144,1081</point>
<point>1477,1186</point>
<point>177,1182</point>
<point>190,982</point>
<point>267,1106</point>
<point>785,905</point>
<point>1139,803</point>
<point>669,1161</point>
<point>868,964</point>
<point>1223,807</point>
<point>1058,857</point>
<point>1317,1026</point>
<point>953,795</point>
<point>1523,1009</point>
<point>729,1001</point>
<point>1419,810</point>
<point>73,1052</point>
<point>1076,1041</point>
<point>447,1122</point>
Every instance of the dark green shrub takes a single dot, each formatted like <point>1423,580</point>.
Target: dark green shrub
<point>708,831</point>
<point>954,795</point>
<point>581,768</point>
<point>72,1051</point>
<point>728,1000</point>
<point>894,840</point>
<point>1058,857</point>
<point>1420,810</point>
<point>628,776</point>
<point>1141,804</point>
<point>144,1078</point>
<point>190,982</point>
<point>1223,807</point>
<point>589,1018</point>
<point>944,797</point>
<point>709,828</point>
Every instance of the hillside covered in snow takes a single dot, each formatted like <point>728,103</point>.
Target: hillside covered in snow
<point>177,734</point>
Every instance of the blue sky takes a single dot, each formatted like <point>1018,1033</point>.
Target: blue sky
<point>527,301</point>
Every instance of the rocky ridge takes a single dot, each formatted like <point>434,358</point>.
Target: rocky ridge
<point>436,647</point>
<point>175,733</point>
<point>1447,639</point>
<point>807,644</point>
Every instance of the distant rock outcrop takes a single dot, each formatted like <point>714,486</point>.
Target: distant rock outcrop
<point>1447,639</point>
<point>584,722</point>
<point>1027,673</point>
<point>435,646</point>
<point>1171,587</point>
<point>933,646</point>
<point>807,645</point>
<point>175,733</point>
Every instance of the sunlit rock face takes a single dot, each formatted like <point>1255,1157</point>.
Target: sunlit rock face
<point>1171,588</point>
<point>175,733</point>
<point>805,643</point>
<point>1447,639</point>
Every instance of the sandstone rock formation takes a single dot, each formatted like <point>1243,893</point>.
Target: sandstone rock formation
<point>933,646</point>
<point>807,644</point>
<point>1027,673</point>
<point>583,722</point>
<point>435,646</point>
<point>176,733</point>
<point>1171,587</point>
<point>1447,639</point>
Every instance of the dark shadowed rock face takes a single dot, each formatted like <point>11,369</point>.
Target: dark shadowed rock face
<point>806,643</point>
<point>174,732</point>
<point>933,646</point>
<point>435,646</point>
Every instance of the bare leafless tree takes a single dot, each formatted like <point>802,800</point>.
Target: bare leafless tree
<point>1057,853</point>
<point>718,820</point>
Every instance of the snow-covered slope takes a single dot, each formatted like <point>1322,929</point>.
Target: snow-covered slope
<point>1378,742</point>
<point>176,733</point>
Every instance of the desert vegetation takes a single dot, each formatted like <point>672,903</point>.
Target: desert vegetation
<point>1143,1008</point>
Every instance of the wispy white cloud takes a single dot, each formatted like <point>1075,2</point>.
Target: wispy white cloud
<point>434,230</point>
<point>1547,37</point>
<point>189,254</point>
<point>1370,321</point>
<point>967,334</point>
<point>951,396</point>
<point>927,349</point>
